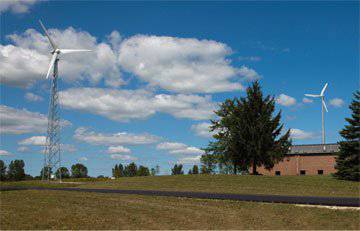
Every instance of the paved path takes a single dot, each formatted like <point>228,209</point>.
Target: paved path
<point>330,201</point>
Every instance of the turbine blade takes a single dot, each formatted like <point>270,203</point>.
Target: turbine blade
<point>48,36</point>
<point>323,102</point>
<point>67,51</point>
<point>51,64</point>
<point>310,95</point>
<point>323,90</point>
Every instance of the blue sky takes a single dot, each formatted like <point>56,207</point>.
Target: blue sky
<point>158,69</point>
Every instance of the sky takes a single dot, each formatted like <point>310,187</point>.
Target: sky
<point>158,70</point>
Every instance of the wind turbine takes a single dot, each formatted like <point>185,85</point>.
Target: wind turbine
<point>323,106</point>
<point>52,157</point>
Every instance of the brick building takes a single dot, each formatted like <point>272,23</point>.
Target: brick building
<point>314,159</point>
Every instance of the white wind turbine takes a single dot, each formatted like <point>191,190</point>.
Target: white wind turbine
<point>52,157</point>
<point>323,106</point>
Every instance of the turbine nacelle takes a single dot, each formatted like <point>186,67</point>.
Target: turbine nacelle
<point>57,51</point>
<point>322,96</point>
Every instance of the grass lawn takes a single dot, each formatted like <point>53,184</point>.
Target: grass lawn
<point>78,210</point>
<point>283,185</point>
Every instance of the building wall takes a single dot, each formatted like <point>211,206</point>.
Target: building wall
<point>293,164</point>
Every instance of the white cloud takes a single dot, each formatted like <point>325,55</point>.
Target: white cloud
<point>337,102</point>
<point>16,6</point>
<point>68,148</point>
<point>16,121</point>
<point>5,153</point>
<point>23,149</point>
<point>286,100</point>
<point>170,146</point>
<point>118,149</point>
<point>33,97</point>
<point>123,105</point>
<point>248,73</point>
<point>202,129</point>
<point>123,157</point>
<point>27,60</point>
<point>189,160</point>
<point>179,148</point>
<point>299,134</point>
<point>250,58</point>
<point>307,100</point>
<point>82,159</point>
<point>121,138</point>
<point>34,140</point>
<point>185,65</point>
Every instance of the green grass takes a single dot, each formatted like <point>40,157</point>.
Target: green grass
<point>284,185</point>
<point>78,210</point>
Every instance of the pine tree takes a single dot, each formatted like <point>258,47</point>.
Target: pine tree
<point>348,161</point>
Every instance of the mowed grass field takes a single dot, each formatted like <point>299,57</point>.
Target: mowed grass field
<point>31,209</point>
<point>283,185</point>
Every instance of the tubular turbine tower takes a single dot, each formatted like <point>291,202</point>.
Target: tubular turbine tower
<point>52,159</point>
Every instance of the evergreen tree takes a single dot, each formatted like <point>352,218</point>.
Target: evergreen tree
<point>130,170</point>
<point>195,169</point>
<point>153,171</point>
<point>16,170</point>
<point>189,172</point>
<point>79,171</point>
<point>177,170</point>
<point>2,170</point>
<point>247,133</point>
<point>348,161</point>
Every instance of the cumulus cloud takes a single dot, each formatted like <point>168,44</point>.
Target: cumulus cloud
<point>118,149</point>
<point>33,97</point>
<point>250,58</point>
<point>286,100</point>
<point>23,149</point>
<point>123,105</point>
<point>189,160</point>
<point>5,153</point>
<point>185,65</point>
<point>202,129</point>
<point>16,6</point>
<point>307,100</point>
<point>34,140</point>
<point>248,73</point>
<point>26,60</point>
<point>123,157</point>
<point>121,138</point>
<point>82,159</point>
<point>20,121</point>
<point>299,134</point>
<point>337,102</point>
<point>179,148</point>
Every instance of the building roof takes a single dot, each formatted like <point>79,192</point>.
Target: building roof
<point>313,149</point>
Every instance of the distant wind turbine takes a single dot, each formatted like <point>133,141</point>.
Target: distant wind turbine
<point>323,106</point>
<point>52,157</point>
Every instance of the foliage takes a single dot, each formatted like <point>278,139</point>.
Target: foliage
<point>130,170</point>
<point>2,171</point>
<point>195,169</point>
<point>348,161</point>
<point>143,171</point>
<point>16,170</point>
<point>247,134</point>
<point>45,172</point>
<point>177,170</point>
<point>62,173</point>
<point>152,171</point>
<point>118,171</point>
<point>79,171</point>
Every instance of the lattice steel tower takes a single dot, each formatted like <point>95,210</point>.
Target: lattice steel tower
<point>52,159</point>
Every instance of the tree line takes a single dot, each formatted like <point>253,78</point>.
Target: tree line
<point>16,171</point>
